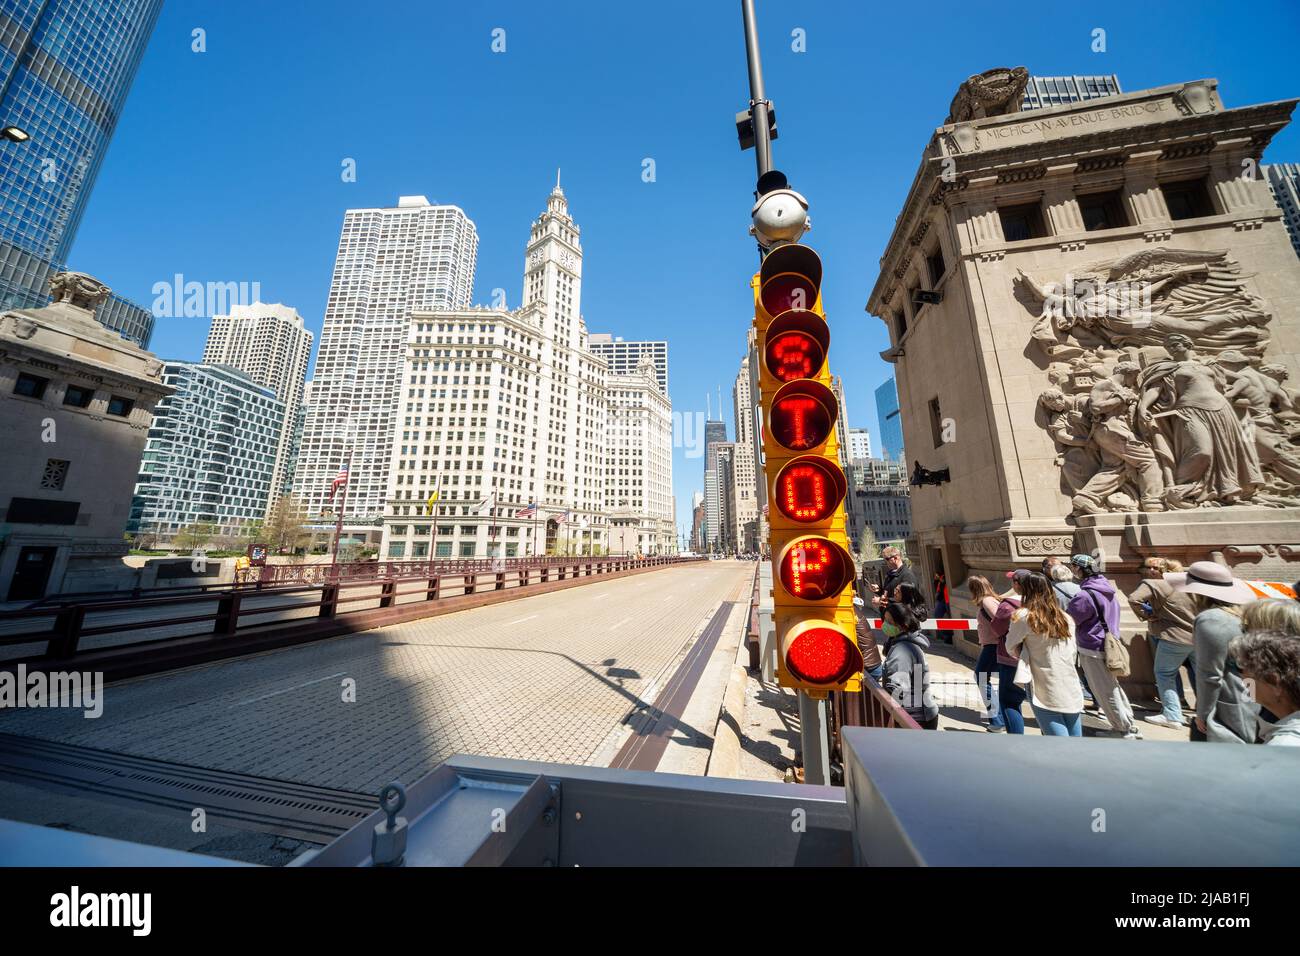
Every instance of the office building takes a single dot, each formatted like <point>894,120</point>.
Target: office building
<point>715,434</point>
<point>270,345</point>
<point>210,456</point>
<point>638,462</point>
<point>392,263</point>
<point>859,444</point>
<point>1042,92</point>
<point>503,414</point>
<point>887,416</point>
<point>66,67</point>
<point>1284,183</point>
<point>624,357</point>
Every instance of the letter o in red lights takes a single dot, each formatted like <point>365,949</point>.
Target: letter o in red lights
<point>809,489</point>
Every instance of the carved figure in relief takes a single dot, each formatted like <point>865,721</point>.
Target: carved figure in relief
<point>1253,393</point>
<point>1126,460</point>
<point>1069,426</point>
<point>1213,461</point>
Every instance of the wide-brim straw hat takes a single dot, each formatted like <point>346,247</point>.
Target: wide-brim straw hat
<point>1212,580</point>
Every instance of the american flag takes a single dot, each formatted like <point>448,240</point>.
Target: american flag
<point>340,479</point>
<point>562,517</point>
<point>527,512</point>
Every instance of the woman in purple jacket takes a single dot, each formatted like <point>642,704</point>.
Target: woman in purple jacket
<point>1095,610</point>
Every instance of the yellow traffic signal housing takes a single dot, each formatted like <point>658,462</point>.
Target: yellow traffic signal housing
<point>812,568</point>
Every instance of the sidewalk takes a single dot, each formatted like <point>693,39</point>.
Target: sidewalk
<point>952,681</point>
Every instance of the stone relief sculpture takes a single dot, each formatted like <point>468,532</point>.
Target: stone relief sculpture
<point>991,93</point>
<point>1161,398</point>
<point>79,289</point>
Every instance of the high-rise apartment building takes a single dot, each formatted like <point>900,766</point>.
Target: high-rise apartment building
<point>66,67</point>
<point>1284,184</point>
<point>210,455</point>
<point>841,420</point>
<point>270,345</point>
<point>891,425</point>
<point>392,263</point>
<point>1042,92</point>
<point>624,357</point>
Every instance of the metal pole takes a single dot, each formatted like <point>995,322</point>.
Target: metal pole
<point>812,729</point>
<point>338,525</point>
<point>757,98</point>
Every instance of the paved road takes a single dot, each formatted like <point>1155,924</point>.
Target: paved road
<point>550,677</point>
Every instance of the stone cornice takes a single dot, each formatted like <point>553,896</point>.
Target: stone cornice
<point>959,161</point>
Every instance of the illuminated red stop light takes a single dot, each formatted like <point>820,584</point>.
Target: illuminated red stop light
<point>802,415</point>
<point>813,568</point>
<point>796,345</point>
<point>809,489</point>
<point>818,652</point>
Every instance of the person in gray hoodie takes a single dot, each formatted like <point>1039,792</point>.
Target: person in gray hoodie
<point>907,673</point>
<point>1095,610</point>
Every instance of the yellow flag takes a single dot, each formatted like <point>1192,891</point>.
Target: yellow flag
<point>432,498</point>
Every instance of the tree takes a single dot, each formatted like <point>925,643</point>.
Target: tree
<point>868,549</point>
<point>285,528</point>
<point>193,537</point>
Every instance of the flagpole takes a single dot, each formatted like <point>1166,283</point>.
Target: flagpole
<point>494,519</point>
<point>338,525</point>
<point>536,511</point>
<point>433,516</point>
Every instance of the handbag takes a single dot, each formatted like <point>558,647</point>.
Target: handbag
<point>1114,649</point>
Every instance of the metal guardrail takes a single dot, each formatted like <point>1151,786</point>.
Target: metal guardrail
<point>273,574</point>
<point>227,612</point>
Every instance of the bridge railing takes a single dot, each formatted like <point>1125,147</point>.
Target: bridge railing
<point>118,624</point>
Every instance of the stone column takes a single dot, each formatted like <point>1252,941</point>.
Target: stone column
<point>1146,201</point>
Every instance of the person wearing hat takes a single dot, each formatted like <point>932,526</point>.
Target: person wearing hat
<point>1170,617</point>
<point>1224,711</point>
<point>1095,612</point>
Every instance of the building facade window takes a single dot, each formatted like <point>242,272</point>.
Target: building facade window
<point>1187,199</point>
<point>1024,221</point>
<point>56,472</point>
<point>119,406</point>
<point>77,396</point>
<point>30,386</point>
<point>1102,211</point>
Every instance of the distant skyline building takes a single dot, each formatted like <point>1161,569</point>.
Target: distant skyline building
<point>1284,184</point>
<point>269,344</point>
<point>742,494</point>
<point>392,262</point>
<point>624,357</point>
<point>1043,92</point>
<point>841,420</point>
<point>887,415</point>
<point>66,67</point>
<point>639,462</point>
<point>859,444</point>
<point>715,434</point>
<point>210,456</point>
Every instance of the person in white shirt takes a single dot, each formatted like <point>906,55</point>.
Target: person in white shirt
<point>1268,654</point>
<point>1043,635</point>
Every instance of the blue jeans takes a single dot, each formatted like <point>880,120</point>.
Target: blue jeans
<point>1010,697</point>
<point>1169,657</point>
<point>985,668</point>
<point>1053,723</point>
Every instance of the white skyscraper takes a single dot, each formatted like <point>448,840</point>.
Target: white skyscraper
<point>268,343</point>
<point>745,516</point>
<point>859,444</point>
<point>499,410</point>
<point>391,262</point>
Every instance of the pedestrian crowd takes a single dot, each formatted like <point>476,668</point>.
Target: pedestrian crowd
<point>1052,637</point>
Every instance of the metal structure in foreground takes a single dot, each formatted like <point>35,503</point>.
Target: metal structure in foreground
<point>908,800</point>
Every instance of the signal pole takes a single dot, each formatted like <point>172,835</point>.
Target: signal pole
<point>759,132</point>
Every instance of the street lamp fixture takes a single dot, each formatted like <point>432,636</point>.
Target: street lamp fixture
<point>15,134</point>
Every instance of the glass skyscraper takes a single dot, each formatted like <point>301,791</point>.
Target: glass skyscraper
<point>891,425</point>
<point>65,69</point>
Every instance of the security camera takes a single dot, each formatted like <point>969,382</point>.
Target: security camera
<point>780,216</point>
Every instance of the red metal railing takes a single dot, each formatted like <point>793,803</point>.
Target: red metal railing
<point>238,609</point>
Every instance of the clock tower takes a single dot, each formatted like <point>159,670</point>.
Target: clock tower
<point>553,271</point>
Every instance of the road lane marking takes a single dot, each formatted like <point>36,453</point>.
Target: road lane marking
<point>521,620</point>
<point>287,689</point>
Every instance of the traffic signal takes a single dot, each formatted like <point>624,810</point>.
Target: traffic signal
<point>813,570</point>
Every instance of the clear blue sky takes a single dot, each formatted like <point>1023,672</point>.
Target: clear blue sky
<point>226,164</point>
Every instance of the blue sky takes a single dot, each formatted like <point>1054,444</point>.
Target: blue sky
<point>226,164</point>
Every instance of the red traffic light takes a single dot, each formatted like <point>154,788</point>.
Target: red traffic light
<point>818,652</point>
<point>809,489</point>
<point>796,345</point>
<point>814,568</point>
<point>789,279</point>
<point>802,415</point>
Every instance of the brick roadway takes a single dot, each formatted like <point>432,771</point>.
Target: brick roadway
<point>548,677</point>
